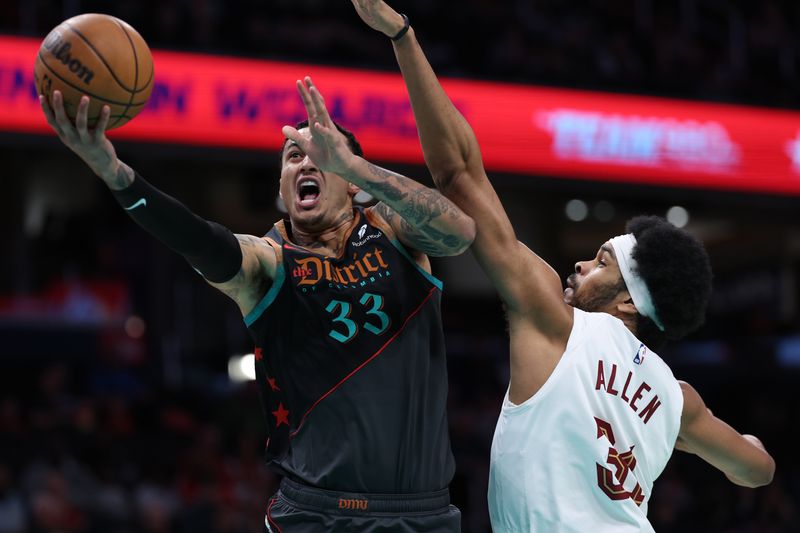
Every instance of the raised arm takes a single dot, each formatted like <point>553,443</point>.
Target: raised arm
<point>742,458</point>
<point>240,266</point>
<point>421,217</point>
<point>526,283</point>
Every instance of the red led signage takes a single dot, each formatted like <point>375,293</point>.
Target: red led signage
<point>229,102</point>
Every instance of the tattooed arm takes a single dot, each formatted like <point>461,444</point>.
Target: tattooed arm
<point>422,218</point>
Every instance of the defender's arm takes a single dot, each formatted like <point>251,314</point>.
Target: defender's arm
<point>742,458</point>
<point>527,284</point>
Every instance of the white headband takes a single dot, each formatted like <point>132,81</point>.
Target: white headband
<point>640,294</point>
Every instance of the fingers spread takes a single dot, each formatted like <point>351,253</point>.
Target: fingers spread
<point>58,108</point>
<point>324,130</point>
<point>319,102</point>
<point>102,123</point>
<point>64,123</point>
<point>48,114</point>
<point>291,133</point>
<point>306,98</point>
<point>81,119</point>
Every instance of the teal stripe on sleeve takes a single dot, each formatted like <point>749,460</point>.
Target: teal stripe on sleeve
<point>430,277</point>
<point>268,298</point>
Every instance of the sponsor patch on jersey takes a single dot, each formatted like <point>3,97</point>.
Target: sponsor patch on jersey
<point>365,238</point>
<point>640,353</point>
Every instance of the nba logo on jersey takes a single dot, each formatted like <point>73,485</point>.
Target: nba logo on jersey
<point>639,359</point>
<point>361,231</point>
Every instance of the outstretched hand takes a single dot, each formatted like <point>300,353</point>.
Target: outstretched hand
<point>379,16</point>
<point>91,145</point>
<point>325,145</point>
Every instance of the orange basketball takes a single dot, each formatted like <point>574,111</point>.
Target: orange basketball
<point>102,57</point>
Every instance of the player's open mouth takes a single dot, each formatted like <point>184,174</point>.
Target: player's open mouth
<point>308,191</point>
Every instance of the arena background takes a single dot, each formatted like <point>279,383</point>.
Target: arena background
<point>117,409</point>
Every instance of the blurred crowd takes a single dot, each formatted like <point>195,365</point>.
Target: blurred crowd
<point>103,449</point>
<point>728,50</point>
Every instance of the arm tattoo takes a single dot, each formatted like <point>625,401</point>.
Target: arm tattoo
<point>426,239</point>
<point>383,188</point>
<point>422,211</point>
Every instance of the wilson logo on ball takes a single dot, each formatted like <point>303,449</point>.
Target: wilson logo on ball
<point>98,56</point>
<point>56,45</point>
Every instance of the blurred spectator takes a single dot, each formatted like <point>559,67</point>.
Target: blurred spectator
<point>13,515</point>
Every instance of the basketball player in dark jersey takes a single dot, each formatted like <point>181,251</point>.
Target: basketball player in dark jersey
<point>345,314</point>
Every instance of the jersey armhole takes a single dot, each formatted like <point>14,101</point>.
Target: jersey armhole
<point>576,338</point>
<point>277,283</point>
<point>278,250</point>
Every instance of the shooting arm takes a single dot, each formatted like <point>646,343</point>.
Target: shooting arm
<point>240,266</point>
<point>742,458</point>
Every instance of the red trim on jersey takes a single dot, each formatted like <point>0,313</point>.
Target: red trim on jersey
<point>362,365</point>
<point>269,518</point>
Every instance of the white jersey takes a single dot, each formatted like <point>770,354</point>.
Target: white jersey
<point>583,452</point>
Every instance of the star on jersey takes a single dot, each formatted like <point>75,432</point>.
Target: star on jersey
<point>272,384</point>
<point>793,151</point>
<point>281,416</point>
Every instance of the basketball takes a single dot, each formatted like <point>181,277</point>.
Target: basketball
<point>102,57</point>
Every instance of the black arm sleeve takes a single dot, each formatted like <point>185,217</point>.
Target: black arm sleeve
<point>210,248</point>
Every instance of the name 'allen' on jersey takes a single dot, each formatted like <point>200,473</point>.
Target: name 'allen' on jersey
<point>631,393</point>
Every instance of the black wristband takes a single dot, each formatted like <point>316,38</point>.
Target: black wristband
<point>406,25</point>
<point>210,248</point>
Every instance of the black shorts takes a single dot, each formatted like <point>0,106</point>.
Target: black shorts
<point>297,508</point>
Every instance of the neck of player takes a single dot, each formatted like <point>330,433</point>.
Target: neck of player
<point>330,238</point>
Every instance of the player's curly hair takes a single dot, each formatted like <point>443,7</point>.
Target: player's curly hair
<point>352,142</point>
<point>675,267</point>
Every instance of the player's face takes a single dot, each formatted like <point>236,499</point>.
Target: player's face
<point>314,199</point>
<point>596,285</point>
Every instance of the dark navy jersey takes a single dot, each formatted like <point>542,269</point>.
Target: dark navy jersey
<point>350,362</point>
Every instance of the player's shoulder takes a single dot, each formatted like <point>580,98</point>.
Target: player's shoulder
<point>693,404</point>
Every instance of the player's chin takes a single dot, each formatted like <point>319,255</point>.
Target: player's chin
<point>310,218</point>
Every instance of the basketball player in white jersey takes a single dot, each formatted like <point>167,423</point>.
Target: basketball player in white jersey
<point>592,414</point>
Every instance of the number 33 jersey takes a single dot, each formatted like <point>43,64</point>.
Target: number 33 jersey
<point>350,363</point>
<point>583,452</point>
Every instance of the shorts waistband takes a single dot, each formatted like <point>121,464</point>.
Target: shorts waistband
<point>361,503</point>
